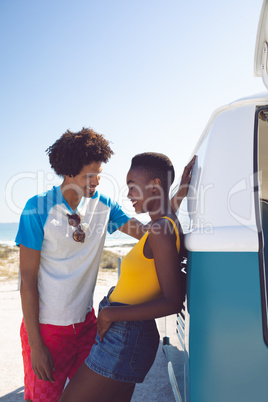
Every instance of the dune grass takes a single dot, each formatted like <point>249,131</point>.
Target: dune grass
<point>109,260</point>
<point>6,252</point>
<point>9,261</point>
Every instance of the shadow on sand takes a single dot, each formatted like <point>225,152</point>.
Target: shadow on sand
<point>14,396</point>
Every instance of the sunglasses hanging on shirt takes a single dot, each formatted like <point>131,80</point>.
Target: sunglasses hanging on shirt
<point>78,235</point>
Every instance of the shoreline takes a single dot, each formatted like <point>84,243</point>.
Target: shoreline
<point>120,250</point>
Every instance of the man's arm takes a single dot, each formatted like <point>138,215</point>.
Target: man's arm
<point>41,358</point>
<point>134,228</point>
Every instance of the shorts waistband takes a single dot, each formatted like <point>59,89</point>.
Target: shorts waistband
<point>141,324</point>
<point>105,301</point>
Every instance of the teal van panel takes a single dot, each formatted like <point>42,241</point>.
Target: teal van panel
<point>228,359</point>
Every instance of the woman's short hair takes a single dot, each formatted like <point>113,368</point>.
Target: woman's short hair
<point>156,165</point>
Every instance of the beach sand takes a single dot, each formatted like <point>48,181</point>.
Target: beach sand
<point>156,386</point>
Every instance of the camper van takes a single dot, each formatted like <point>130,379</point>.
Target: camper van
<point>220,350</point>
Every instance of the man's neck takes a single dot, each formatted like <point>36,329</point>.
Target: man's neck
<point>71,196</point>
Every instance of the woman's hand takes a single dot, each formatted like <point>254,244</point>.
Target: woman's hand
<point>184,185</point>
<point>186,177</point>
<point>103,322</point>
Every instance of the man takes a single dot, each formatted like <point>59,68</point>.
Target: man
<point>61,237</point>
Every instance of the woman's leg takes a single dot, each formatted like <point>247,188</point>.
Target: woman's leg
<point>88,386</point>
<point>125,394</point>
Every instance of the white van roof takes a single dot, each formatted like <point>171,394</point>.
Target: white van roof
<point>261,48</point>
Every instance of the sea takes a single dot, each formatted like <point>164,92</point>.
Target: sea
<point>8,233</point>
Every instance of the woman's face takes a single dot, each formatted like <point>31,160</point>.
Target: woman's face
<point>140,190</point>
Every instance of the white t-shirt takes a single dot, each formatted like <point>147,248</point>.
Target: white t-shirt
<point>68,269</point>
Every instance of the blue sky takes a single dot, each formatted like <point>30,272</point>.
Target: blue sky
<point>145,73</point>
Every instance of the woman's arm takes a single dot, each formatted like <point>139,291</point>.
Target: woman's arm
<point>163,245</point>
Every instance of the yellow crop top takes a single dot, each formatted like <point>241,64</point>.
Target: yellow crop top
<point>138,282</point>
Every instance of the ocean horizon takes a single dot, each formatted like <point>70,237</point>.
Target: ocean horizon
<point>8,233</point>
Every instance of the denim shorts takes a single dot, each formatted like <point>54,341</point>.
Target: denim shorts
<point>127,351</point>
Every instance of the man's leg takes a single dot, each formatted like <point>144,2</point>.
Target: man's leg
<point>69,347</point>
<point>85,334</point>
<point>60,344</point>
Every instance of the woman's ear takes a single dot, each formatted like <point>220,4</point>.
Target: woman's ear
<point>156,184</point>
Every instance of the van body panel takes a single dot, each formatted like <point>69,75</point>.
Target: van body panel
<point>225,337</point>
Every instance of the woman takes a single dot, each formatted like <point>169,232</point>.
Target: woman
<point>151,285</point>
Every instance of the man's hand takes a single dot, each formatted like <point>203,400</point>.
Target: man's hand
<point>42,363</point>
<point>103,323</point>
<point>184,185</point>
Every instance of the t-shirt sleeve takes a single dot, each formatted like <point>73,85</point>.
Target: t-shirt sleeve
<point>30,233</point>
<point>117,217</point>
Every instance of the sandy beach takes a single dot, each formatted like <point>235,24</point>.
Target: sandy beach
<point>156,386</point>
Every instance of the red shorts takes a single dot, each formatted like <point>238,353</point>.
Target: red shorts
<point>69,347</point>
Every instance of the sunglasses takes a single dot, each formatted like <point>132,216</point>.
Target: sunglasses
<point>78,235</point>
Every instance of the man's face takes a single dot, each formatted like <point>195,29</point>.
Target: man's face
<point>88,179</point>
